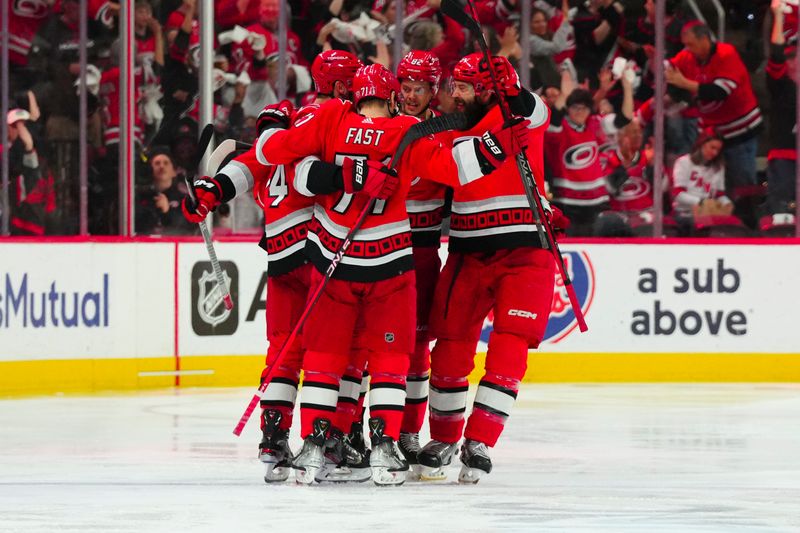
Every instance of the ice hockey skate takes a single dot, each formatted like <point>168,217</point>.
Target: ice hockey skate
<point>343,463</point>
<point>274,449</point>
<point>356,438</point>
<point>410,448</point>
<point>475,460</point>
<point>310,461</point>
<point>388,466</point>
<point>434,457</point>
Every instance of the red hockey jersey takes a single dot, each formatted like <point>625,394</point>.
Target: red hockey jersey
<point>286,213</point>
<point>494,213</point>
<point>102,11</point>
<point>738,114</point>
<point>24,19</point>
<point>573,155</point>
<point>382,248</point>
<point>427,206</point>
<point>109,96</point>
<point>636,193</point>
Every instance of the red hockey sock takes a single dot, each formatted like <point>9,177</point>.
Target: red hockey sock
<point>347,405</point>
<point>281,393</point>
<point>448,401</point>
<point>417,389</point>
<point>493,402</point>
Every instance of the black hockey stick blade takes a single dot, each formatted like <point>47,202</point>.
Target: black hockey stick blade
<point>432,126</point>
<point>202,144</point>
<point>458,12</point>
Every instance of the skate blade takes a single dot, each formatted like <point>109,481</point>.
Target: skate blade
<point>306,476</point>
<point>414,473</point>
<point>470,476</point>
<point>345,474</point>
<point>275,473</point>
<point>430,473</point>
<point>383,477</point>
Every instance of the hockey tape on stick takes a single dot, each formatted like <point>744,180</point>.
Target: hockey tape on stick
<point>222,152</point>
<point>202,146</point>
<point>458,12</point>
<point>215,160</point>
<point>415,132</point>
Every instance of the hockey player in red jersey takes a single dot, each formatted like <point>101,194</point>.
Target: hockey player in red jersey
<point>495,262</point>
<point>286,218</point>
<point>419,74</point>
<point>373,284</point>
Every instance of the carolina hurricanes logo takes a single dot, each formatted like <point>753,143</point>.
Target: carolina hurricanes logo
<point>635,188</point>
<point>581,155</point>
<point>302,120</point>
<point>105,16</point>
<point>562,320</point>
<point>34,9</point>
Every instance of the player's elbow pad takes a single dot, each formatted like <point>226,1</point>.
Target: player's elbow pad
<point>711,92</point>
<point>315,177</point>
<point>522,105</point>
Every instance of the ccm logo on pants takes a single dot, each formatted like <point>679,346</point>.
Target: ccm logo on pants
<point>522,313</point>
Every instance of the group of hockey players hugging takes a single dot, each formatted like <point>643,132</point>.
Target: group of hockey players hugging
<point>314,170</point>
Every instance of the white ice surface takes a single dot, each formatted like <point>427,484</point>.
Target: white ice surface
<point>696,458</point>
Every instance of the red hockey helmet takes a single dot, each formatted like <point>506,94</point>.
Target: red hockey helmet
<point>331,66</point>
<point>468,70</point>
<point>374,81</point>
<point>419,65</point>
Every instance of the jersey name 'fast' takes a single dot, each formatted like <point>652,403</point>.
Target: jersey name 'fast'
<point>364,136</point>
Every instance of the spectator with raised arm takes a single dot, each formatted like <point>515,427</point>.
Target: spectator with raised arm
<point>597,25</point>
<point>552,41</point>
<point>572,150</point>
<point>31,195</point>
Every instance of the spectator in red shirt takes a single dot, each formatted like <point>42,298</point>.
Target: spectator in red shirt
<point>714,75</point>
<point>782,156</point>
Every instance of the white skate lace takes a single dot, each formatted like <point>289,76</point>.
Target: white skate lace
<point>477,448</point>
<point>410,441</point>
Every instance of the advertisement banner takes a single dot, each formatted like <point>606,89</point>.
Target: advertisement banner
<point>636,298</point>
<point>112,300</point>
<point>676,298</point>
<point>87,300</point>
<point>206,327</point>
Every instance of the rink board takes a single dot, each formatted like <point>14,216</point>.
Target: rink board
<point>79,316</point>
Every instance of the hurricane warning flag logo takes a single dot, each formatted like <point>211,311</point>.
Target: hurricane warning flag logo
<point>562,320</point>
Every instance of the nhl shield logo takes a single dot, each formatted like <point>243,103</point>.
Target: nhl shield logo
<point>209,299</point>
<point>209,316</point>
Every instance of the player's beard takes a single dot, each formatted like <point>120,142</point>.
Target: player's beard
<point>474,111</point>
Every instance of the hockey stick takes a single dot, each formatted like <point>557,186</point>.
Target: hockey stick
<point>457,12</point>
<point>222,152</point>
<point>202,146</point>
<point>415,132</point>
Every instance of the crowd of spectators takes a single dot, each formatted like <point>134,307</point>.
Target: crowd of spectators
<point>591,60</point>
